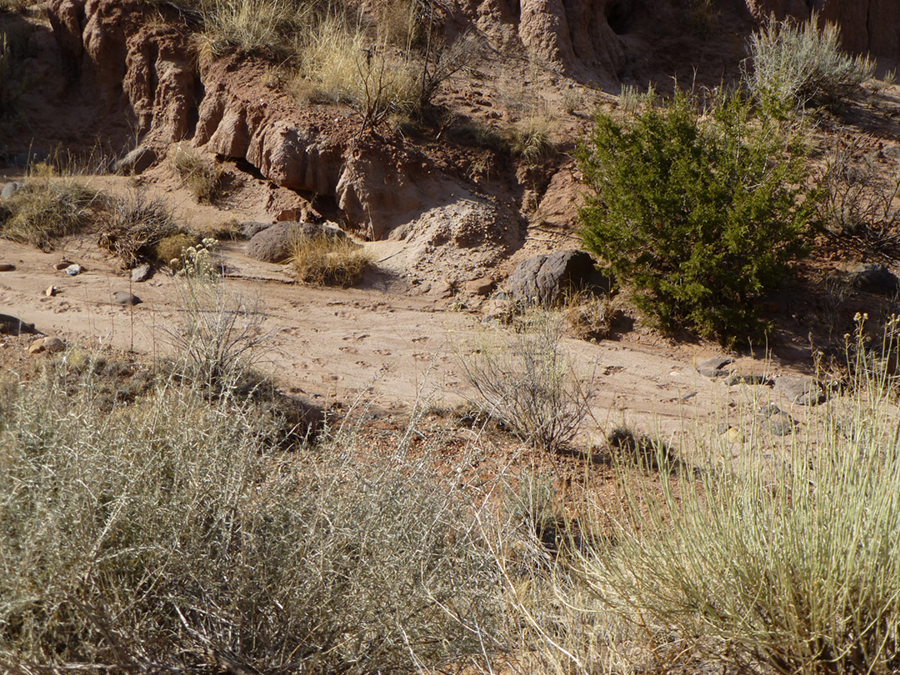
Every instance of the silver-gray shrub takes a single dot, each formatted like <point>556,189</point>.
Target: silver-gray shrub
<point>161,536</point>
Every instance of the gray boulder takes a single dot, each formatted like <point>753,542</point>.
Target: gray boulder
<point>137,161</point>
<point>251,228</point>
<point>10,189</point>
<point>874,278</point>
<point>274,244</point>
<point>544,279</point>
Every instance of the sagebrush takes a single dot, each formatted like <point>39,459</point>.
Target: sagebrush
<point>163,535</point>
<point>795,64</point>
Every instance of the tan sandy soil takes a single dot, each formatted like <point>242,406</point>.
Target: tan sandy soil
<point>383,339</point>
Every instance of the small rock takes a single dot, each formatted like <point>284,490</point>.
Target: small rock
<point>781,424</point>
<point>10,189</point>
<point>714,367</point>
<point>733,435</point>
<point>46,344</point>
<point>874,278</point>
<point>481,286</point>
<point>126,298</point>
<point>800,390</point>
<point>62,264</point>
<point>141,273</point>
<point>778,422</point>
<point>7,267</point>
<point>73,270</point>
<point>51,291</point>
<point>442,290</point>
<point>137,161</point>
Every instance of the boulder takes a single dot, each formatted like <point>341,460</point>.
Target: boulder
<point>544,279</point>
<point>275,243</point>
<point>126,298</point>
<point>874,278</point>
<point>12,325</point>
<point>137,161</point>
<point>250,228</point>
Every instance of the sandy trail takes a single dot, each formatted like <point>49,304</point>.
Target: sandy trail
<point>331,344</point>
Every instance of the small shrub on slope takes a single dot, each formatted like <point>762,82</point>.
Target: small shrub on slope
<point>794,64</point>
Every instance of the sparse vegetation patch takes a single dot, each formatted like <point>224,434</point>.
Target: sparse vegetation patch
<point>201,176</point>
<point>137,228</point>
<point>163,535</point>
<point>529,385</point>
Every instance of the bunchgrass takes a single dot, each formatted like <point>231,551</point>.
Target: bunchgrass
<point>786,559</point>
<point>328,260</point>
<point>47,208</point>
<point>200,175</point>
<point>136,227</point>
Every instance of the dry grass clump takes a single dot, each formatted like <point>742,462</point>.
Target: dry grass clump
<point>163,536</point>
<point>346,66</point>
<point>590,315</point>
<point>794,64</point>
<point>217,343</point>
<point>138,226</point>
<point>329,260</point>
<point>531,139</point>
<point>787,561</point>
<point>254,25</point>
<point>201,176</point>
<point>170,249</point>
<point>48,208</point>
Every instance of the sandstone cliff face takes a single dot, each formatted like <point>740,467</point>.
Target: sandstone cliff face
<point>871,26</point>
<point>109,49</point>
<point>149,71</point>
<point>571,36</point>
